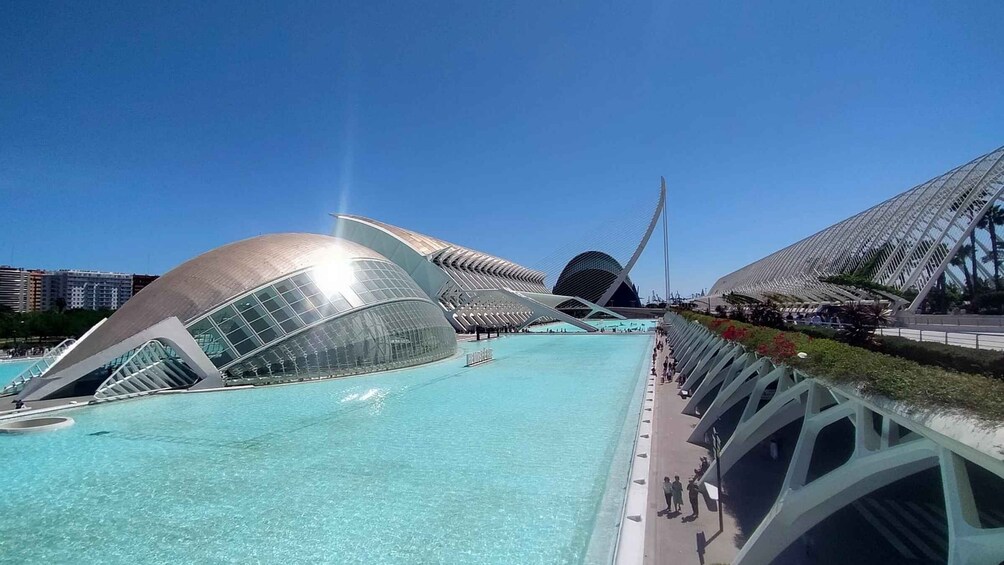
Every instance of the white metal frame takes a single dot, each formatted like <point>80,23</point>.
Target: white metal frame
<point>910,238</point>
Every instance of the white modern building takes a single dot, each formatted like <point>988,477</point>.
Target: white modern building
<point>474,289</point>
<point>292,307</point>
<point>24,290</point>
<point>90,290</point>
<point>270,309</point>
<point>939,237</point>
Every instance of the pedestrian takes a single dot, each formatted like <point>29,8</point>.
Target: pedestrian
<point>667,489</point>
<point>694,492</point>
<point>677,493</point>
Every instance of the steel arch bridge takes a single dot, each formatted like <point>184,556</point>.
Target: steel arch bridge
<point>945,229</point>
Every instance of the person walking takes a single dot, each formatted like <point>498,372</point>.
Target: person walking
<point>677,493</point>
<point>694,492</point>
<point>667,489</point>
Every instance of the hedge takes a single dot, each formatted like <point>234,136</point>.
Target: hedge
<point>951,357</point>
<point>919,386</point>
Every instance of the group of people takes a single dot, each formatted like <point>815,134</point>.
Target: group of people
<point>22,352</point>
<point>674,489</point>
<point>668,362</point>
<point>674,496</point>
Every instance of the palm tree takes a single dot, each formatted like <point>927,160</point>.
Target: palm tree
<point>972,255</point>
<point>859,322</point>
<point>993,218</point>
<point>970,212</point>
<point>960,261</point>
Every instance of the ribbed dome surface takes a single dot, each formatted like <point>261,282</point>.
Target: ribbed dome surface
<point>202,283</point>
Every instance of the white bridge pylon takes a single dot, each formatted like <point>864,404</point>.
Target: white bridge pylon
<point>888,445</point>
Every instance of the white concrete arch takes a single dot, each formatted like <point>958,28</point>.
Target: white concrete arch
<point>900,447</point>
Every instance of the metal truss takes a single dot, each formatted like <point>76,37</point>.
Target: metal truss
<point>152,367</point>
<point>906,242</point>
<point>888,445</point>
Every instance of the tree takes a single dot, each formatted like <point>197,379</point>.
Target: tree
<point>859,322</point>
<point>766,314</point>
<point>960,261</point>
<point>993,218</point>
<point>970,213</point>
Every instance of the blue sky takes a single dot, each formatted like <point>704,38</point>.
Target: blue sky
<point>134,136</point>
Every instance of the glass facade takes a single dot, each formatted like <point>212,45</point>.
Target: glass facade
<point>248,335</point>
<point>386,336</point>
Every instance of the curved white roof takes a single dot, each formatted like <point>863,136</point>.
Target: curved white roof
<point>439,250</point>
<point>904,243</point>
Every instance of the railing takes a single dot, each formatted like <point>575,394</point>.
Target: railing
<point>38,368</point>
<point>985,341</point>
<point>479,357</point>
<point>950,320</point>
<point>994,342</point>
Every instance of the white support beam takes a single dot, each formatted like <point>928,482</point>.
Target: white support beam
<point>798,510</point>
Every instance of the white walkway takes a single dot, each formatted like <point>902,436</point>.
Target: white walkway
<point>992,341</point>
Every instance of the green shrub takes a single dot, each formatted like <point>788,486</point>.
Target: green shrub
<point>989,303</point>
<point>814,331</point>
<point>920,386</point>
<point>952,357</point>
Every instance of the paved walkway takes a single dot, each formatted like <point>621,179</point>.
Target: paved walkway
<point>7,405</point>
<point>674,539</point>
<point>973,340</point>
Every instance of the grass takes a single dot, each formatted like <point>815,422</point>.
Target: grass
<point>919,386</point>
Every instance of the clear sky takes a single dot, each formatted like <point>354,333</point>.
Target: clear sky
<point>136,135</point>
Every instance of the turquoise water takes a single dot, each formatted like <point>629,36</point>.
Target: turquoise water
<point>11,369</point>
<point>607,325</point>
<point>521,460</point>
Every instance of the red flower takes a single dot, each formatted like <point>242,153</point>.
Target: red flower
<point>732,333</point>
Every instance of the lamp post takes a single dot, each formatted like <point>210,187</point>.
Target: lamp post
<point>718,471</point>
<point>707,302</point>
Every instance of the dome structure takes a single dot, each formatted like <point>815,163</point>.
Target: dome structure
<point>590,274</point>
<point>274,308</point>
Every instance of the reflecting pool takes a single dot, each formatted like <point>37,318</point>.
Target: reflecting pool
<point>520,460</point>
<point>11,369</point>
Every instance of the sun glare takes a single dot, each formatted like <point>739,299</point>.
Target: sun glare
<point>333,278</point>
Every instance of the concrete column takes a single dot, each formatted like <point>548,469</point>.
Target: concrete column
<point>715,376</point>
<point>731,394</point>
<point>968,543</point>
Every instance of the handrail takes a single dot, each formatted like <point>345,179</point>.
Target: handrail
<point>479,357</point>
<point>38,368</point>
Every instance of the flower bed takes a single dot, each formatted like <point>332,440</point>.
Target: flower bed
<point>920,386</point>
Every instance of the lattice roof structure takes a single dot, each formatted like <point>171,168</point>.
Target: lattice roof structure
<point>900,249</point>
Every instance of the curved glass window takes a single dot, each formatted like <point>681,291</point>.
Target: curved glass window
<point>256,319</point>
<point>381,337</point>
